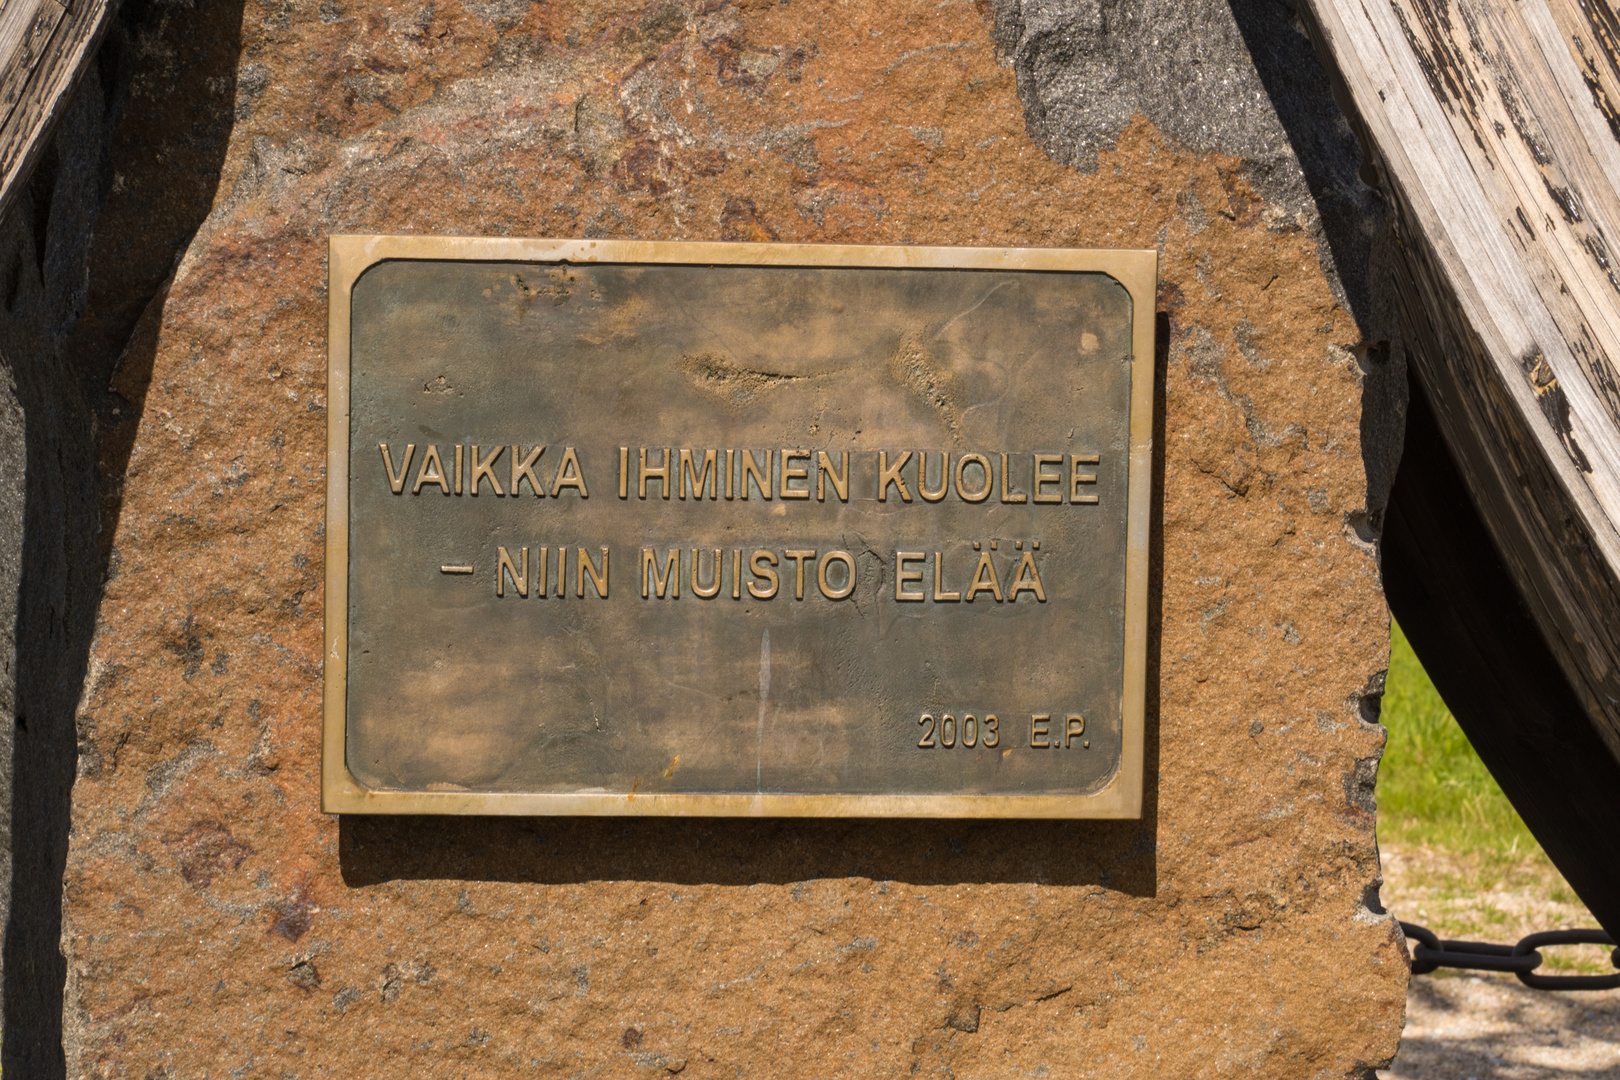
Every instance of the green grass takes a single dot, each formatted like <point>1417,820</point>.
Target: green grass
<point>1433,791</point>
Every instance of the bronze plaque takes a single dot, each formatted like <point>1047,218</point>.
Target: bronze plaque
<point>665,528</point>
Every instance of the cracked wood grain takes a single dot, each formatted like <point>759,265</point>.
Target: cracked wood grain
<point>1495,131</point>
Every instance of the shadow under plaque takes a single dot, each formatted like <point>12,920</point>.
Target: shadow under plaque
<point>640,529</point>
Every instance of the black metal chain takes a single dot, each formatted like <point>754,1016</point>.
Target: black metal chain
<point>1522,959</point>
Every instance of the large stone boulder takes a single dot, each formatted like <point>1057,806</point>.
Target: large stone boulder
<point>215,920</point>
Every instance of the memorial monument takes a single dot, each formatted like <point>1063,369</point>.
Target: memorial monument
<point>445,693</point>
<point>721,539</point>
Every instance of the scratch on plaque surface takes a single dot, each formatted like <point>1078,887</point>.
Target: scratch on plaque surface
<point>724,376</point>
<point>764,696</point>
<point>914,367</point>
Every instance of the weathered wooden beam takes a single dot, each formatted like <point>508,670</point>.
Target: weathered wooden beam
<point>1494,130</point>
<point>44,48</point>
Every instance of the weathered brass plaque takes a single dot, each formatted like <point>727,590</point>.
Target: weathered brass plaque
<point>667,528</point>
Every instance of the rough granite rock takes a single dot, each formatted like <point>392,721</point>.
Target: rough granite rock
<point>216,922</point>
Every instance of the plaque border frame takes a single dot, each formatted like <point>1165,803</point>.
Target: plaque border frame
<point>349,256</point>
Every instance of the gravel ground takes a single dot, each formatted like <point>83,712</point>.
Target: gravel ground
<point>1496,1028</point>
<point>1491,1027</point>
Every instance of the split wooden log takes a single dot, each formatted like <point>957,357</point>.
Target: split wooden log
<point>1494,128</point>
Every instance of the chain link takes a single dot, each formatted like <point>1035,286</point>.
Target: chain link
<point>1430,952</point>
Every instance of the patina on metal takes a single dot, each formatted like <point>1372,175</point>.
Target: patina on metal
<point>667,528</point>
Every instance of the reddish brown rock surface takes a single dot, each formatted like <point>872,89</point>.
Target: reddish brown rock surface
<point>216,921</point>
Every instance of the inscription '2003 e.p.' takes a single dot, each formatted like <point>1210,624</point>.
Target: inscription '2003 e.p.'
<point>636,528</point>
